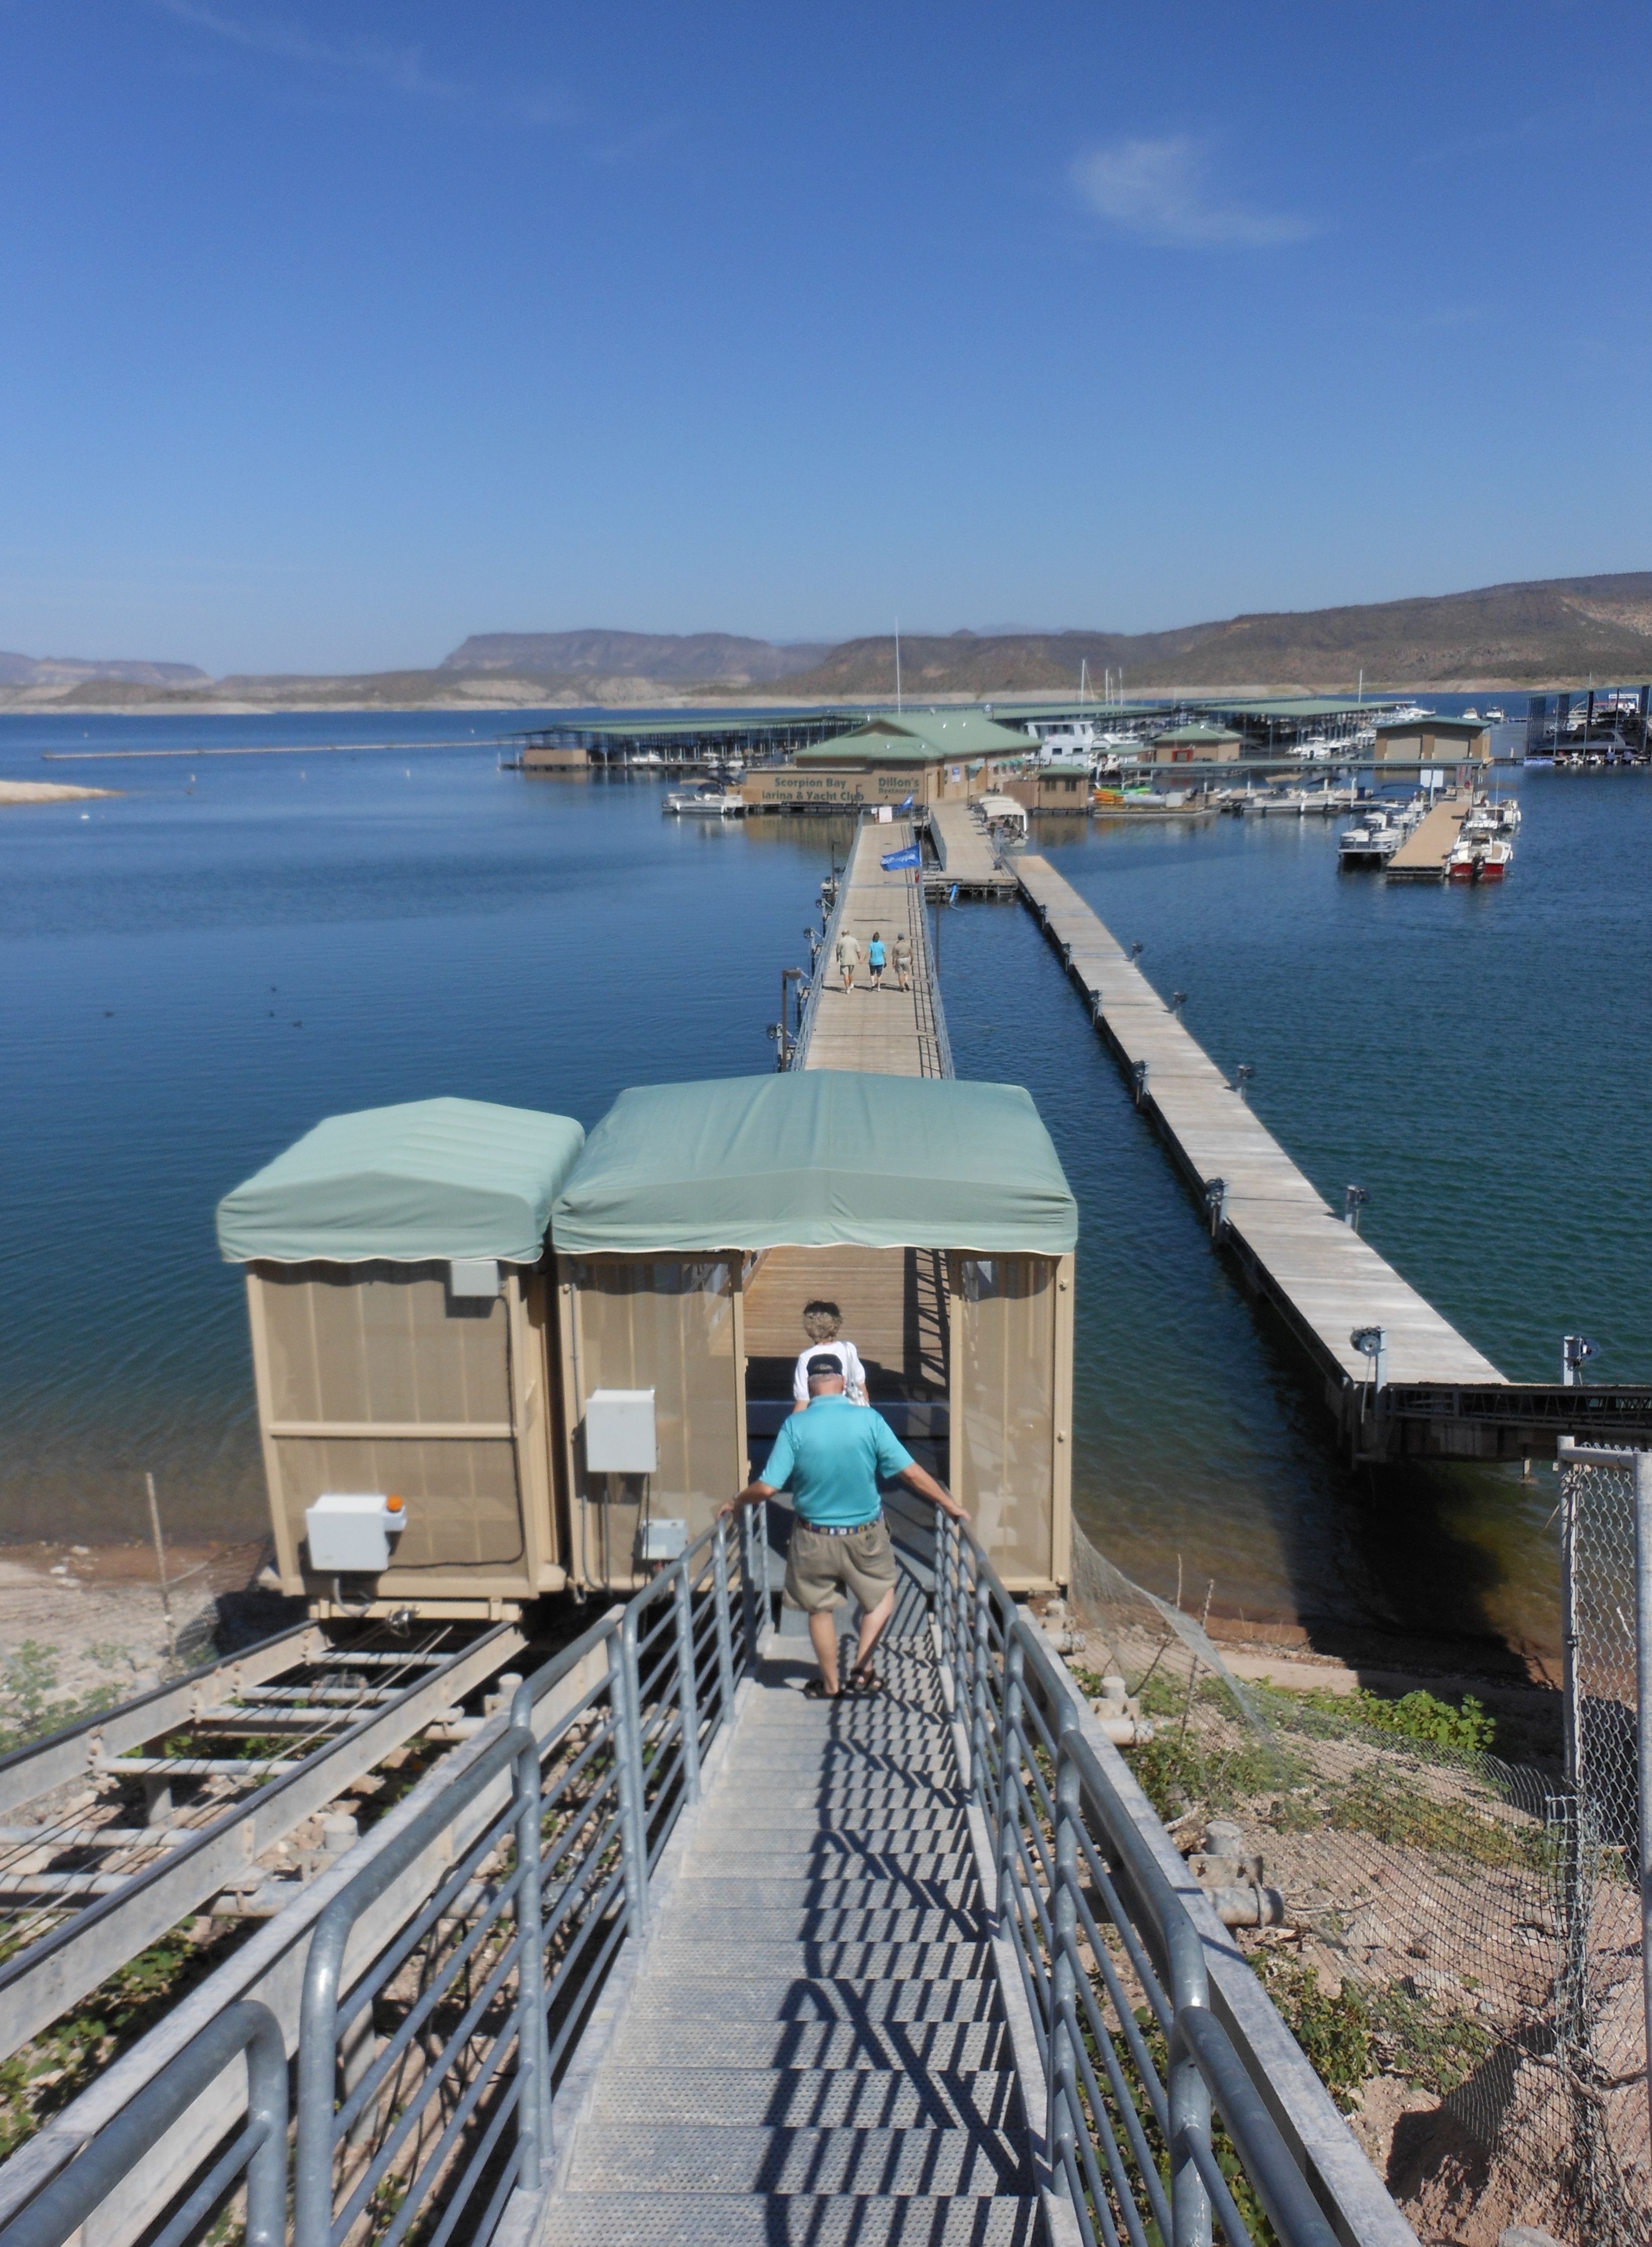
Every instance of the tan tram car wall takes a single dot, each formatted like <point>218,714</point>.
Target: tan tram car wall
<point>373,1377</point>
<point>677,1326</point>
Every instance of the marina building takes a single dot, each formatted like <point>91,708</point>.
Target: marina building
<point>934,756</point>
<point>1432,741</point>
<point>1197,744</point>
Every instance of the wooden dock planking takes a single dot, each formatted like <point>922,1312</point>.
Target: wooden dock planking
<point>894,1306</point>
<point>1423,855</point>
<point>1324,1279</point>
<point>891,1032</point>
<point>965,853</point>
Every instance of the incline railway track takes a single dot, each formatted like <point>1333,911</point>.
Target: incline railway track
<point>116,1828</point>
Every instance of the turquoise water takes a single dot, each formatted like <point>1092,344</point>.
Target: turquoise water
<point>198,969</point>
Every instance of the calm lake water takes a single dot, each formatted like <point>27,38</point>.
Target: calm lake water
<point>198,969</point>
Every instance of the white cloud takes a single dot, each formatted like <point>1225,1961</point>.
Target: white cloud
<point>401,68</point>
<point>1159,191</point>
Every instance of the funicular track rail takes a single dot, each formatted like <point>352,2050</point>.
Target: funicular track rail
<point>116,1828</point>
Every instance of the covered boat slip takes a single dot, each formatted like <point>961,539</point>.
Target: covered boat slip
<point>702,1218</point>
<point>397,1305</point>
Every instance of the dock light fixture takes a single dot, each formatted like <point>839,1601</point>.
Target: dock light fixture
<point>1354,1200</point>
<point>1370,1342</point>
<point>1136,950</point>
<point>1242,1076</point>
<point>1575,1352</point>
<point>1178,999</point>
<point>1138,1080</point>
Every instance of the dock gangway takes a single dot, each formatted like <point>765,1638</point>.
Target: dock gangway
<point>667,1953</point>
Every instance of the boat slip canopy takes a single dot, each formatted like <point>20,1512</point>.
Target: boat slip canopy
<point>429,1179</point>
<point>815,1160</point>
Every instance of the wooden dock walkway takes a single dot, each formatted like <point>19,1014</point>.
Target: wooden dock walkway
<point>1423,855</point>
<point>1325,1280</point>
<point>889,1033</point>
<point>964,854</point>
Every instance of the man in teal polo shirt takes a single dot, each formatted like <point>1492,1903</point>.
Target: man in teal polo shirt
<point>832,1455</point>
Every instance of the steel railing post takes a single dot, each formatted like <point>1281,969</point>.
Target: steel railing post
<point>533,2086</point>
<point>725,1630</point>
<point>1643,1730</point>
<point>687,1689</point>
<point>627,1767</point>
<point>946,1559</point>
<point>748,1583</point>
<point>1190,2104</point>
<point>978,1762</point>
<point>1009,1747</point>
<point>1061,2133</point>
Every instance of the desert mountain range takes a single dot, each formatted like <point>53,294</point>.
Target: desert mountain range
<point>1548,632</point>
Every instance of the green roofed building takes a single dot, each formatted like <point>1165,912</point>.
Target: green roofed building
<point>1197,745</point>
<point>932,755</point>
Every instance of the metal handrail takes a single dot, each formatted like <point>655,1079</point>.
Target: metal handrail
<point>259,2152</point>
<point>1075,1868</point>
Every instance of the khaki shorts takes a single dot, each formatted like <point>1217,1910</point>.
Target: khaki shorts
<point>820,1570</point>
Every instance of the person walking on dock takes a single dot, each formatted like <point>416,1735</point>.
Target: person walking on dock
<point>904,961</point>
<point>822,1321</point>
<point>848,955</point>
<point>875,958</point>
<point>832,1455</point>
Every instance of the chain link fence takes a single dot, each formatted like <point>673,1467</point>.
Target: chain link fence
<point>1455,1939</point>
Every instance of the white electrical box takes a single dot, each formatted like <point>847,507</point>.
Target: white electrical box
<point>349,1532</point>
<point>473,1275</point>
<point>662,1540</point>
<point>619,1431</point>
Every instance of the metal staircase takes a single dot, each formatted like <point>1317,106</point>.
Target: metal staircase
<point>667,1953</point>
<point>815,2048</point>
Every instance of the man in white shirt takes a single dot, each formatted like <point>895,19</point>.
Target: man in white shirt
<point>821,1322</point>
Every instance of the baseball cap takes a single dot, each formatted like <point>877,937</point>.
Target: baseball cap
<point>823,1362</point>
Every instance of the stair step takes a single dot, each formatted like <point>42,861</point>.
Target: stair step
<point>700,1892</point>
<point>924,1816</point>
<point>677,2158</point>
<point>954,2046</point>
<point>741,1925</point>
<point>810,1997</point>
<point>877,1863</point>
<point>947,1960</point>
<point>650,2219</point>
<point>808,2098</point>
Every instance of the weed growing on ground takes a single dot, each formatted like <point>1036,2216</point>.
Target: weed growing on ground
<point>1415,1716</point>
<point>1436,2049</point>
<point>1335,2032</point>
<point>28,1683</point>
<point>1405,1817</point>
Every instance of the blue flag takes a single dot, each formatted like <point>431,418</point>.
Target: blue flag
<point>905,803</point>
<point>910,857</point>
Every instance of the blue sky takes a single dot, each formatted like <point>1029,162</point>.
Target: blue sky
<point>331,333</point>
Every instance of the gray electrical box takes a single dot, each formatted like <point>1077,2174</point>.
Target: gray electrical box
<point>662,1540</point>
<point>349,1531</point>
<point>619,1431</point>
<point>473,1275</point>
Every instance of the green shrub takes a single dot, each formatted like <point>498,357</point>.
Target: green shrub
<point>1334,2032</point>
<point>1437,2049</point>
<point>1415,1715</point>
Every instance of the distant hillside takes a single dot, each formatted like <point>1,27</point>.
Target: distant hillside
<point>674,658</point>
<point>1559,629</point>
<point>70,670</point>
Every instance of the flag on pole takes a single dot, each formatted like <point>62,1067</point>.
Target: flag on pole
<point>905,803</point>
<point>910,857</point>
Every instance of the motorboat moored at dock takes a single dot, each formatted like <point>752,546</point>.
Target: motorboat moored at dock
<point>705,803</point>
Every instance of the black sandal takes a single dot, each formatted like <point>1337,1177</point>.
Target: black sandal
<point>818,1690</point>
<point>865,1681</point>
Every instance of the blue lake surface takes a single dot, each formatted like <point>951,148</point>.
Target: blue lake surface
<point>196,970</point>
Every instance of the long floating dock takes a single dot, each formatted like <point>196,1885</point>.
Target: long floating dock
<point>888,1032</point>
<point>1324,1280</point>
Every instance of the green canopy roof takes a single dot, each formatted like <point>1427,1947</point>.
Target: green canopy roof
<point>921,737</point>
<point>428,1179</point>
<point>816,1158</point>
